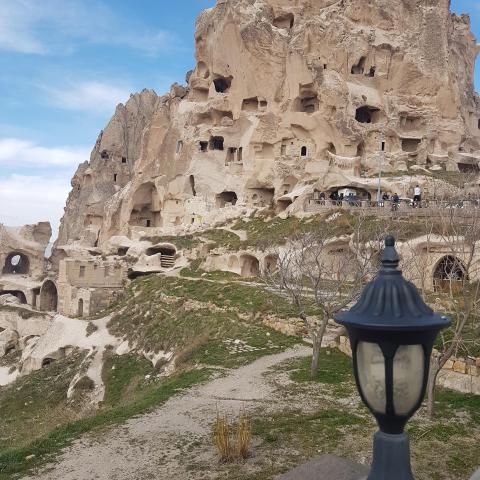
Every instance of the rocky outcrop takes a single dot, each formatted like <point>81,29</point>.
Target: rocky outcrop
<point>110,168</point>
<point>285,95</point>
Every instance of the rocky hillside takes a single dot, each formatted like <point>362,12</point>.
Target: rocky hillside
<point>285,99</point>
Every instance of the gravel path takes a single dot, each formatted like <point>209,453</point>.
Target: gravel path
<point>153,446</point>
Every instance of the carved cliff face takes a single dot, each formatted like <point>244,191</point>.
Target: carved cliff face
<point>284,93</point>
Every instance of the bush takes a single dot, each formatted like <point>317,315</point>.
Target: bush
<point>232,441</point>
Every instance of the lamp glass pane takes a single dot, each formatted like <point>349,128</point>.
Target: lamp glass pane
<point>371,375</point>
<point>408,372</point>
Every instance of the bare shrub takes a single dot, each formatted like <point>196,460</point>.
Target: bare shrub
<point>232,440</point>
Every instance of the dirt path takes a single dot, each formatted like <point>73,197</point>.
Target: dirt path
<point>153,446</point>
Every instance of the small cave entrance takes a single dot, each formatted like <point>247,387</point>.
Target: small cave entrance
<point>410,145</point>
<point>331,148</point>
<point>283,204</point>
<point>250,266</point>
<point>307,101</point>
<point>234,155</point>
<point>222,84</point>
<point>122,251</point>
<point>287,20</point>
<point>226,198</point>
<point>203,146</point>
<point>468,168</point>
<point>16,293</point>
<point>250,104</point>
<point>47,361</point>
<point>303,151</point>
<point>192,185</point>
<point>16,263</point>
<point>162,250</point>
<point>146,209</point>
<point>216,143</point>
<point>167,254</point>
<point>449,275</point>
<point>367,114</point>
<point>359,68</point>
<point>361,149</point>
<point>48,297</point>
<point>80,308</point>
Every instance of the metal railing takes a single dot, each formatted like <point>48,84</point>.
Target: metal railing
<point>464,208</point>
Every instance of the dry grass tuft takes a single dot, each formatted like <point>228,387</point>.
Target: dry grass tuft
<point>244,435</point>
<point>232,440</point>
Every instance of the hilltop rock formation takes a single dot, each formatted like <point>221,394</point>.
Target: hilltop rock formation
<point>286,97</point>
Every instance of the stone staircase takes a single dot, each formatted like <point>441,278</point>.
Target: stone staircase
<point>167,261</point>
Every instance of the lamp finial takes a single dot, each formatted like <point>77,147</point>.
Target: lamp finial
<point>389,257</point>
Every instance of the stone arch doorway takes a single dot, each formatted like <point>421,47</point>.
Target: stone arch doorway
<point>80,308</point>
<point>16,263</point>
<point>250,266</point>
<point>449,274</point>
<point>48,297</point>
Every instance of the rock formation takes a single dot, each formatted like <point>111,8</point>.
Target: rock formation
<point>286,97</point>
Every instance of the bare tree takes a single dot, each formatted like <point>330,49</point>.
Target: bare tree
<point>444,261</point>
<point>323,270</point>
<point>457,281</point>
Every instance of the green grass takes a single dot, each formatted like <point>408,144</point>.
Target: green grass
<point>14,460</point>
<point>156,323</point>
<point>36,403</point>
<point>307,431</point>
<point>223,238</point>
<point>262,340</point>
<point>194,271</point>
<point>335,368</point>
<point>182,242</point>
<point>124,377</point>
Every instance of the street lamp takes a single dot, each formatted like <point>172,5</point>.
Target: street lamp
<point>392,332</point>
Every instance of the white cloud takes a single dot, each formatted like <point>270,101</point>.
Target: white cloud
<point>31,199</point>
<point>50,26</point>
<point>16,25</point>
<point>88,96</point>
<point>17,152</point>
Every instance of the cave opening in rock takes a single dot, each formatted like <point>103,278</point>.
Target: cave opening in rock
<point>16,293</point>
<point>222,84</point>
<point>367,114</point>
<point>80,308</point>
<point>226,198</point>
<point>192,185</point>
<point>287,20</point>
<point>449,274</point>
<point>16,263</point>
<point>410,144</point>
<point>359,68</point>
<point>48,297</point>
<point>146,207</point>
<point>216,143</point>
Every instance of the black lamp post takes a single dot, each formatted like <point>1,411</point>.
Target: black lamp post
<point>392,332</point>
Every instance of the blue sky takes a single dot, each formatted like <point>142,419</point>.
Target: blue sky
<point>65,64</point>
